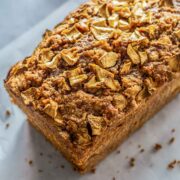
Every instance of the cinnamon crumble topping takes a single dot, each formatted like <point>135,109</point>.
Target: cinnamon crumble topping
<point>98,63</point>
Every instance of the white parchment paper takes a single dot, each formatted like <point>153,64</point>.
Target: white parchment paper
<point>21,143</point>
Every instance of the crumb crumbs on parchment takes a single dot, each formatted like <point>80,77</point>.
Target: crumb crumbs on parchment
<point>50,156</point>
<point>74,168</point>
<point>139,146</point>
<point>132,162</point>
<point>62,166</point>
<point>173,130</point>
<point>93,170</point>
<point>8,113</point>
<point>30,162</point>
<point>49,162</point>
<point>40,170</point>
<point>113,178</point>
<point>171,140</point>
<point>172,164</point>
<point>41,154</point>
<point>142,150</point>
<point>7,125</point>
<point>157,147</point>
<point>118,152</point>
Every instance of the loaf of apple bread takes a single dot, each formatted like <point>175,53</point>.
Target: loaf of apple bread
<point>99,75</point>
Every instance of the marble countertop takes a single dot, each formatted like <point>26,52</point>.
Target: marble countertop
<point>17,17</point>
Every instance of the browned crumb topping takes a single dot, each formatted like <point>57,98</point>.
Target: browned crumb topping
<point>157,147</point>
<point>99,63</point>
<point>171,140</point>
<point>7,125</point>
<point>8,113</point>
<point>172,164</point>
<point>132,162</point>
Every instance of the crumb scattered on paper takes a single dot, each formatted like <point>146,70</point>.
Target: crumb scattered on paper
<point>171,140</point>
<point>172,164</point>
<point>74,169</point>
<point>93,170</point>
<point>30,162</point>
<point>50,156</point>
<point>157,147</point>
<point>118,152</point>
<point>142,150</point>
<point>173,130</point>
<point>8,113</point>
<point>40,170</point>
<point>49,162</point>
<point>62,166</point>
<point>7,125</point>
<point>132,162</point>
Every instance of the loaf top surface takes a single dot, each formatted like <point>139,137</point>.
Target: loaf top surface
<point>98,64</point>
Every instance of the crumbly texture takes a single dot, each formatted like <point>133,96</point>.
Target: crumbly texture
<point>102,62</point>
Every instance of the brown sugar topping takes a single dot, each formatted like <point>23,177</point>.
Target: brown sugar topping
<point>101,61</point>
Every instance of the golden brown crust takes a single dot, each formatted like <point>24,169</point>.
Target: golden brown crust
<point>96,67</point>
<point>85,159</point>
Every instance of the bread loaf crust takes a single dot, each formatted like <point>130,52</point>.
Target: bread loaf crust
<point>98,74</point>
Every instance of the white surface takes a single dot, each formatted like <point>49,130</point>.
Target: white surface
<point>21,143</point>
<point>17,17</point>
